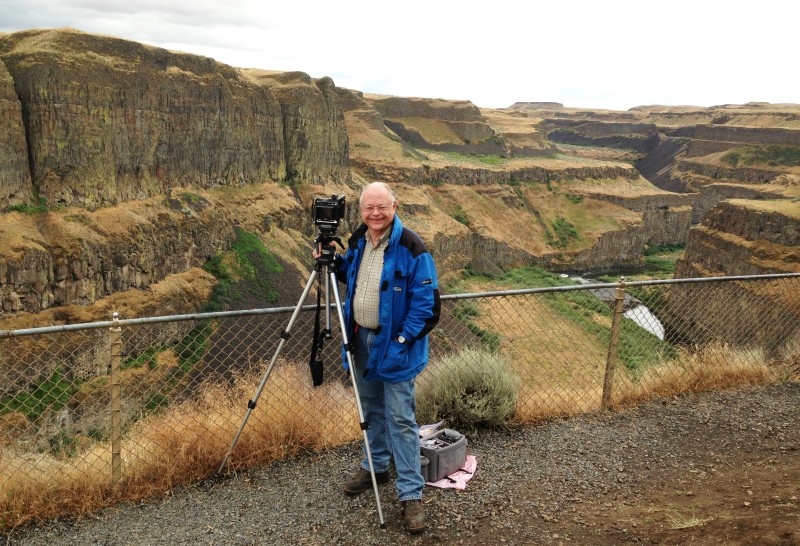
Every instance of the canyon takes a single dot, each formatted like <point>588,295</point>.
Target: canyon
<point>128,167</point>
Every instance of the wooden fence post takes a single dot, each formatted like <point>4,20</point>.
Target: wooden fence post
<point>611,358</point>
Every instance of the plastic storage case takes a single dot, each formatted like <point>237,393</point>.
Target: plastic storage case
<point>443,453</point>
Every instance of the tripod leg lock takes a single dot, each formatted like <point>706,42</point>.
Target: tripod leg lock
<point>364,425</point>
<point>251,404</point>
<point>285,334</point>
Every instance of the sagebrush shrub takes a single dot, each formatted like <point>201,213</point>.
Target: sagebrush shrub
<point>468,390</point>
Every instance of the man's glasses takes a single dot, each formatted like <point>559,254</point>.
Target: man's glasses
<point>369,209</point>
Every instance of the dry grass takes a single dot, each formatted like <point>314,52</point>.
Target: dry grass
<point>714,367</point>
<point>187,441</point>
<point>184,443</point>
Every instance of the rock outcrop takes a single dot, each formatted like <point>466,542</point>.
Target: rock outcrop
<point>15,175</point>
<point>108,120</point>
<point>666,218</point>
<point>739,237</point>
<point>436,124</point>
<point>314,131</point>
<point>78,257</point>
<point>624,135</point>
<point>536,106</point>
<point>709,139</point>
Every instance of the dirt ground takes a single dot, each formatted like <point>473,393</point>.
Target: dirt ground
<point>749,498</point>
<point>724,480</point>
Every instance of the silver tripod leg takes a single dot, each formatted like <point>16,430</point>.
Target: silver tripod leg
<point>330,279</point>
<point>364,425</point>
<point>284,336</point>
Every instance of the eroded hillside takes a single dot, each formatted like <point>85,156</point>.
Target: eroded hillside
<point>130,165</point>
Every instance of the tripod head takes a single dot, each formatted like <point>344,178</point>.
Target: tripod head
<point>327,249</point>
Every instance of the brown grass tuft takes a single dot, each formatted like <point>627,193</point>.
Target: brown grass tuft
<point>184,443</point>
<point>714,367</point>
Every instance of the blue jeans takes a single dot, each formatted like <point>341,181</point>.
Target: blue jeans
<point>393,433</point>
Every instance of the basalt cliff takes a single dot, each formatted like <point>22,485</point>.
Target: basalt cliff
<point>128,167</point>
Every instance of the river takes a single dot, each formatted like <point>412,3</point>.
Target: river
<point>634,308</point>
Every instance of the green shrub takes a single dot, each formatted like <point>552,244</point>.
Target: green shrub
<point>460,216</point>
<point>30,208</point>
<point>565,233</point>
<point>468,390</point>
<point>490,159</point>
<point>49,395</point>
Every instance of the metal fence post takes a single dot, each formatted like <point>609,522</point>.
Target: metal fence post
<point>611,358</point>
<point>115,336</point>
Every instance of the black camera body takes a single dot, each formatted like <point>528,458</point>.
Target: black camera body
<point>328,212</point>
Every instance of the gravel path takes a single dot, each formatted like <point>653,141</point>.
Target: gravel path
<point>542,485</point>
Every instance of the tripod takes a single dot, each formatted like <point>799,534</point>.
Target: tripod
<point>325,262</point>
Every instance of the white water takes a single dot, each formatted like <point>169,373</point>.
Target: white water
<point>639,314</point>
<point>642,316</point>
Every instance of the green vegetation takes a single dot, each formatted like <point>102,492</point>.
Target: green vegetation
<point>222,289</point>
<point>637,349</point>
<point>564,233</point>
<point>38,207</point>
<point>460,216</point>
<point>50,395</point>
<point>471,389</point>
<point>63,443</point>
<point>574,198</point>
<point>472,159</point>
<point>776,156</point>
<point>252,261</point>
<point>147,358</point>
<point>490,159</point>
<point>660,262</point>
<point>251,266</point>
<point>663,258</point>
<point>467,310</point>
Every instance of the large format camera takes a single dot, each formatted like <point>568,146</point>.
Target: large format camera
<point>328,211</point>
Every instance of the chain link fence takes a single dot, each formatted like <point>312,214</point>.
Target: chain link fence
<point>94,413</point>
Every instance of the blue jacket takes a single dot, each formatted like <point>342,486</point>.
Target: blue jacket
<point>409,303</point>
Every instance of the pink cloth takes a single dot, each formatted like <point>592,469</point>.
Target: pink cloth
<point>459,478</point>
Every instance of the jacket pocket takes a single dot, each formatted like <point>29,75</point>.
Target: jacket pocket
<point>396,360</point>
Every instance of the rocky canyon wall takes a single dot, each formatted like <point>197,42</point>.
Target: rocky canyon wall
<point>740,237</point>
<point>15,175</point>
<point>108,121</point>
<point>708,139</point>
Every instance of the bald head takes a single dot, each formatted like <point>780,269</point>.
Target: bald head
<point>377,189</point>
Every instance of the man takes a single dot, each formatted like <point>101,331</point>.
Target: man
<point>392,303</point>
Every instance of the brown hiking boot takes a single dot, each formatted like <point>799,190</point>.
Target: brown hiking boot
<point>362,480</point>
<point>414,515</point>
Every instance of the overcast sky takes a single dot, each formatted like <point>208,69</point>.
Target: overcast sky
<point>583,53</point>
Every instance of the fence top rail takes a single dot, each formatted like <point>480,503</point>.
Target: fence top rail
<point>117,322</point>
<point>148,320</point>
<point>595,286</point>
